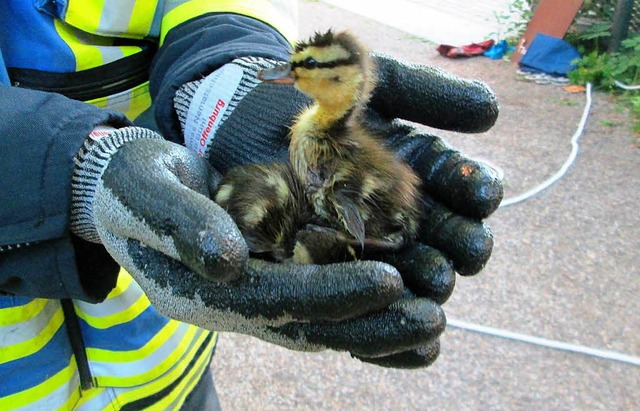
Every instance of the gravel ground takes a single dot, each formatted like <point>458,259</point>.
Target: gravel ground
<point>565,267</point>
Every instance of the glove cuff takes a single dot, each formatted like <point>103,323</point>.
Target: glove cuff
<point>232,118</point>
<point>90,162</point>
<point>204,105</point>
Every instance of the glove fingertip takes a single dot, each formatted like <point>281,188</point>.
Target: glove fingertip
<point>224,257</point>
<point>210,243</point>
<point>472,189</point>
<point>409,360</point>
<point>426,272</point>
<point>475,250</point>
<point>467,242</point>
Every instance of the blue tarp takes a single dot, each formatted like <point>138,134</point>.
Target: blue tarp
<point>498,50</point>
<point>4,77</point>
<point>550,55</point>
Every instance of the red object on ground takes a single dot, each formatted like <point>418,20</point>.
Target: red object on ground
<point>473,49</point>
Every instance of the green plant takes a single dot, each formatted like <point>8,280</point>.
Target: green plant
<point>594,68</point>
<point>598,9</point>
<point>594,38</point>
<point>513,22</point>
<point>634,107</point>
<point>627,61</point>
<point>604,70</point>
<point>608,123</point>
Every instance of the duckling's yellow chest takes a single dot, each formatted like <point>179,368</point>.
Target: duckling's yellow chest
<point>317,157</point>
<point>313,151</point>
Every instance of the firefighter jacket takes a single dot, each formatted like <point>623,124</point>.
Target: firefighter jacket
<point>76,331</point>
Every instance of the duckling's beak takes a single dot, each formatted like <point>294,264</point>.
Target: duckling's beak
<point>279,75</point>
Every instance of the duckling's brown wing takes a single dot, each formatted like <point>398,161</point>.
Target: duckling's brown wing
<point>347,204</point>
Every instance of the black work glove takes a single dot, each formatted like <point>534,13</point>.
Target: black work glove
<point>251,125</point>
<point>148,202</point>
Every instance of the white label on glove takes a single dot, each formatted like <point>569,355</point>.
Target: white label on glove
<point>209,105</point>
<point>100,131</point>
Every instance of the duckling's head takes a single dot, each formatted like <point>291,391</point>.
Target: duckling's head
<point>331,68</point>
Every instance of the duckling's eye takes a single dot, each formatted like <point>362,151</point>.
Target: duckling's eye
<point>309,63</point>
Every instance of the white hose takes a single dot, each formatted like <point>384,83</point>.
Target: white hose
<point>626,87</point>
<point>559,345</point>
<point>561,172</point>
<point>609,355</point>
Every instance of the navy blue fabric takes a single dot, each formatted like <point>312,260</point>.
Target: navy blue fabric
<point>40,134</point>
<point>4,76</point>
<point>550,55</point>
<point>196,48</point>
<point>30,39</point>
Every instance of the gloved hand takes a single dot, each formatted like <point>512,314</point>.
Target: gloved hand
<point>147,201</point>
<point>233,119</point>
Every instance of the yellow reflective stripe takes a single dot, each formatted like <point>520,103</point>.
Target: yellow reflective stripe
<point>90,55</point>
<point>121,317</point>
<point>85,14</point>
<point>162,367</point>
<point>140,101</point>
<point>124,279</point>
<point>175,373</point>
<point>101,103</point>
<point>22,313</point>
<point>185,386</point>
<point>142,17</point>
<point>132,103</point>
<point>146,365</point>
<point>123,314</point>
<point>33,345</point>
<point>130,50</point>
<point>41,391</point>
<point>270,12</point>
<point>20,332</point>
<point>98,354</point>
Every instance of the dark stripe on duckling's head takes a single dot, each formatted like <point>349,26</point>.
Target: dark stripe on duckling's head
<point>328,50</point>
<point>310,63</point>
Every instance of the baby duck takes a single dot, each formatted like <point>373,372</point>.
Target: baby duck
<point>268,204</point>
<point>350,179</point>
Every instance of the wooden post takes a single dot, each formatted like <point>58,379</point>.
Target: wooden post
<point>620,24</point>
<point>551,17</point>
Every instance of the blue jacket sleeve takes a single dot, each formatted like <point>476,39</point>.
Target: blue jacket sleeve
<point>40,134</point>
<point>199,46</point>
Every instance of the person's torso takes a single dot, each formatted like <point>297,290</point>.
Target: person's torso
<point>72,354</point>
<point>117,354</point>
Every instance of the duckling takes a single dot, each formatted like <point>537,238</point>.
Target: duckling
<point>268,204</point>
<point>351,180</point>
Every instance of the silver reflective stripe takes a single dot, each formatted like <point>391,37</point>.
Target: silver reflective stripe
<point>112,306</point>
<point>149,362</point>
<point>121,101</point>
<point>58,398</point>
<point>110,53</point>
<point>116,15</point>
<point>20,332</point>
<point>101,401</point>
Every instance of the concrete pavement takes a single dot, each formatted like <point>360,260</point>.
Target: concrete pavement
<point>455,22</point>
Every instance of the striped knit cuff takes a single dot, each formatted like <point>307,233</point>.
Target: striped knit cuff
<point>90,163</point>
<point>204,105</point>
